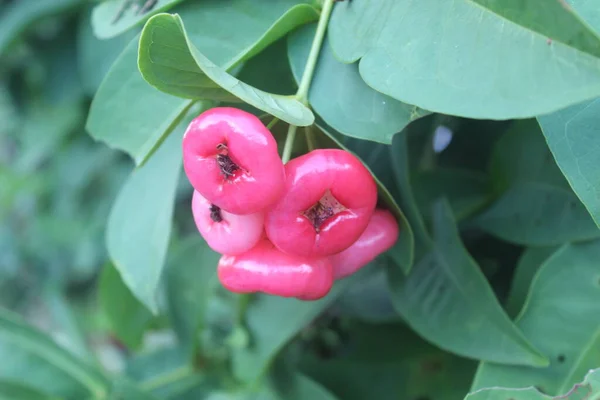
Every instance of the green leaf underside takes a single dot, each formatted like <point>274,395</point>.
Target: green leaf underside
<point>572,135</point>
<point>129,114</point>
<point>106,25</point>
<point>139,225</point>
<point>587,390</point>
<point>448,301</point>
<point>37,360</point>
<point>340,96</point>
<point>164,46</point>
<point>555,58</point>
<point>127,317</point>
<point>187,283</point>
<point>561,318</point>
<point>403,251</point>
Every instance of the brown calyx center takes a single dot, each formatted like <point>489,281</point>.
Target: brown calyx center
<point>215,213</point>
<point>325,208</point>
<point>226,164</point>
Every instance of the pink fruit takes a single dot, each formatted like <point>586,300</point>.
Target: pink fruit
<point>266,269</point>
<point>231,159</point>
<point>224,232</point>
<point>328,200</point>
<point>381,234</point>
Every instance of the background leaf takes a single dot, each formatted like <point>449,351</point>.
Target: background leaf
<point>343,99</point>
<point>111,18</point>
<point>18,391</point>
<point>127,317</point>
<point>163,33</point>
<point>563,295</point>
<point>139,225</point>
<point>555,57</point>
<point>447,300</point>
<point>571,135</point>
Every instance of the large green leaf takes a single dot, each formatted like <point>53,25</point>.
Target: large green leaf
<point>451,56</point>
<point>588,389</point>
<point>131,115</point>
<point>560,317</point>
<point>127,317</point>
<point>448,301</point>
<point>188,288</point>
<point>572,135</point>
<point>32,358</point>
<point>139,226</point>
<point>529,263</point>
<point>403,251</point>
<point>340,96</point>
<point>19,15</point>
<point>388,362</point>
<point>272,322</point>
<point>169,61</point>
<point>110,18</point>
<point>537,207</point>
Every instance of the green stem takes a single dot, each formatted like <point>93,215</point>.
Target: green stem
<point>289,144</point>
<point>273,122</point>
<point>309,69</point>
<point>310,138</point>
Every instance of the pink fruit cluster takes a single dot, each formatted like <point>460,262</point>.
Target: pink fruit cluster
<point>283,230</point>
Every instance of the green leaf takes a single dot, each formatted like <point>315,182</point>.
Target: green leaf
<point>272,322</point>
<point>131,115</point>
<point>343,99</point>
<point>589,389</point>
<point>188,288</point>
<point>96,56</point>
<point>387,362</point>
<point>169,61</point>
<point>127,317</point>
<point>448,301</point>
<point>10,390</point>
<point>537,208</point>
<point>571,135</point>
<point>554,55</point>
<point>19,15</point>
<point>139,225</point>
<point>123,389</point>
<point>37,360</point>
<point>466,191</point>
<point>530,262</point>
<point>403,251</point>
<point>113,17</point>
<point>560,317</point>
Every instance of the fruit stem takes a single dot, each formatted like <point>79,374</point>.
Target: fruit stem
<point>289,144</point>
<point>309,69</point>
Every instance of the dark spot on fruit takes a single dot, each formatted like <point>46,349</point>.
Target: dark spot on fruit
<point>561,358</point>
<point>215,213</point>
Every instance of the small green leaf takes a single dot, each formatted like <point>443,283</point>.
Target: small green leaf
<point>35,359</point>
<point>127,317</point>
<point>10,390</point>
<point>448,301</point>
<point>466,191</point>
<point>340,96</point>
<point>139,224</point>
<point>560,317</point>
<point>589,389</point>
<point>403,251</point>
<point>555,57</point>
<point>19,15</point>
<point>572,136</point>
<point>530,262</point>
<point>165,46</point>
<point>188,279</point>
<point>113,17</point>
